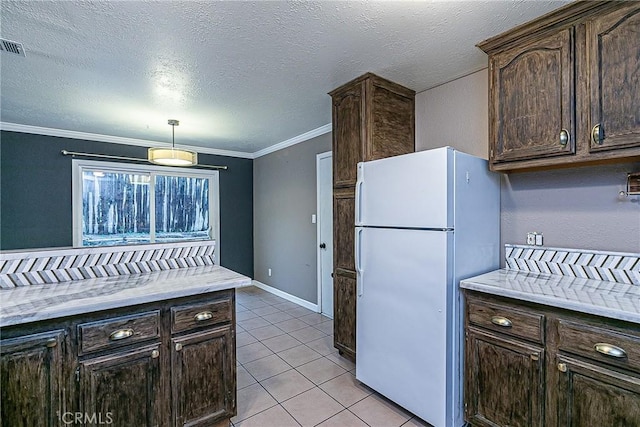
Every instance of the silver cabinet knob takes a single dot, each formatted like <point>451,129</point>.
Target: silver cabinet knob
<point>501,321</point>
<point>597,135</point>
<point>610,350</point>
<point>565,137</point>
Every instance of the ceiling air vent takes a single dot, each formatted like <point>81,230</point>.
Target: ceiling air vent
<point>11,47</point>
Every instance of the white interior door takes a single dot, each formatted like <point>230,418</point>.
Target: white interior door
<point>325,233</point>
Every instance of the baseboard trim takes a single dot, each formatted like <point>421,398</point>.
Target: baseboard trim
<point>288,297</point>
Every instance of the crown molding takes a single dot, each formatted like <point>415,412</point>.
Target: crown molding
<point>63,133</point>
<point>295,140</point>
<point>15,127</point>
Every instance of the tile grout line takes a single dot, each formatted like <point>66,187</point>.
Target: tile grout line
<point>287,335</point>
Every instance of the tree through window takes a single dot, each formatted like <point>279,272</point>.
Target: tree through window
<point>126,204</point>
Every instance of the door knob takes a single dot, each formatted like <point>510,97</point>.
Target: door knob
<point>323,246</point>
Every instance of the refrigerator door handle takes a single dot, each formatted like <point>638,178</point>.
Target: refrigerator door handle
<point>358,261</point>
<point>359,184</point>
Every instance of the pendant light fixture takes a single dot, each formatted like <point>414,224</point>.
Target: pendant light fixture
<point>172,156</point>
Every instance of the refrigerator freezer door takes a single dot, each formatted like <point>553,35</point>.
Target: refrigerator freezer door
<point>402,327</point>
<point>413,190</point>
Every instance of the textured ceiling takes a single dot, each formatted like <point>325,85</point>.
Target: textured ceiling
<point>239,76</point>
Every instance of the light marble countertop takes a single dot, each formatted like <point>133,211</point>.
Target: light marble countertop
<point>40,302</point>
<point>609,299</point>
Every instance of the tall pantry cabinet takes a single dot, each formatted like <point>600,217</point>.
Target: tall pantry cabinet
<point>373,118</point>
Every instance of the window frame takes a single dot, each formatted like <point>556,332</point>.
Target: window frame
<point>79,166</point>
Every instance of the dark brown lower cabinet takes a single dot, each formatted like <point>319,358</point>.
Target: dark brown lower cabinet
<point>203,377</point>
<point>31,380</point>
<point>122,388</point>
<point>344,297</point>
<point>168,363</point>
<point>528,364</point>
<point>592,394</point>
<point>505,381</point>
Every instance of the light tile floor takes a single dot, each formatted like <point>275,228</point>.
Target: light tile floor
<point>289,373</point>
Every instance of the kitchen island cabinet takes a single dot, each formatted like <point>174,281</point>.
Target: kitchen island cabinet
<point>201,399</point>
<point>122,387</point>
<point>373,118</point>
<point>32,379</point>
<point>563,88</point>
<point>169,361</point>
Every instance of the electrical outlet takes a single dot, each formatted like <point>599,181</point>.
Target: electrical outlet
<point>269,272</point>
<point>531,238</point>
<point>538,239</point>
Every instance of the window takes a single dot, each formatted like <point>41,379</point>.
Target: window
<point>122,204</point>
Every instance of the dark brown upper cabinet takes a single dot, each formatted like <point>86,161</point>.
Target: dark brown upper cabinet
<point>563,89</point>
<point>613,41</point>
<point>348,133</point>
<point>532,85</point>
<point>373,118</point>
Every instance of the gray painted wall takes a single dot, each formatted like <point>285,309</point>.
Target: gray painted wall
<point>36,207</point>
<point>573,208</point>
<point>455,114</point>
<point>284,198</point>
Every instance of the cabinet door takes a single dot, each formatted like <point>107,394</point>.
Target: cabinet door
<point>203,377</point>
<point>344,313</point>
<point>31,380</point>
<point>122,388</point>
<point>532,100</point>
<point>391,126</point>
<point>504,381</point>
<point>344,229</point>
<point>348,134</point>
<point>592,395</point>
<point>614,53</point>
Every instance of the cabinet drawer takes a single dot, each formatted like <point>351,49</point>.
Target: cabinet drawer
<point>604,345</point>
<point>507,319</point>
<point>118,331</point>
<point>191,316</point>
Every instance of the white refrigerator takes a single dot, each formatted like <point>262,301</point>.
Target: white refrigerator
<point>424,221</point>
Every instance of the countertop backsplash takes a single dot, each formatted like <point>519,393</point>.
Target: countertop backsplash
<point>49,266</point>
<point>581,263</point>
